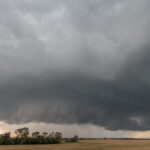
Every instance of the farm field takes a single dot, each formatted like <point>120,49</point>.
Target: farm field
<point>88,145</point>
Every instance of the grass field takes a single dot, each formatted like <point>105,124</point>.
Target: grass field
<point>88,145</point>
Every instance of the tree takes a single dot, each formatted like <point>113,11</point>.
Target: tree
<point>45,134</point>
<point>58,137</point>
<point>52,135</point>
<point>5,138</point>
<point>22,132</point>
<point>75,138</point>
<point>22,137</point>
<point>35,134</point>
<point>24,140</point>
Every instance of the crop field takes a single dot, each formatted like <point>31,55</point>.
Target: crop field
<point>88,145</point>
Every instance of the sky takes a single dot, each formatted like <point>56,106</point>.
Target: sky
<point>79,66</point>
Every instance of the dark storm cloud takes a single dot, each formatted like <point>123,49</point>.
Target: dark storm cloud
<point>75,62</point>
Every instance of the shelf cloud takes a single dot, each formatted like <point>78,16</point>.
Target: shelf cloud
<point>75,62</point>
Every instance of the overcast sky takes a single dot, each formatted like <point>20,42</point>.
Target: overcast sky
<point>76,64</point>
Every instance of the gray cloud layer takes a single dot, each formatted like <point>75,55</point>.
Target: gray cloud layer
<point>78,61</point>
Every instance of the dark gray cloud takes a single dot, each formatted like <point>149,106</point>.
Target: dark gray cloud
<point>75,62</point>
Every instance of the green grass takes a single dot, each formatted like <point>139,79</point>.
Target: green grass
<point>88,145</point>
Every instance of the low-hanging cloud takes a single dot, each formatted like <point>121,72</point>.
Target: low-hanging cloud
<point>78,62</point>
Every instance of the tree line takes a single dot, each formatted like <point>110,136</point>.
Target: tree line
<point>23,137</point>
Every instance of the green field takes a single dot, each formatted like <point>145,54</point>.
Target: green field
<point>88,145</point>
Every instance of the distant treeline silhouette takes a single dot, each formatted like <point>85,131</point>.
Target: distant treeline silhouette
<point>23,137</point>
